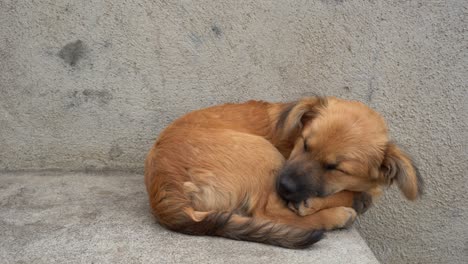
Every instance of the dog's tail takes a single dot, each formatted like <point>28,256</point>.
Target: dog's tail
<point>238,227</point>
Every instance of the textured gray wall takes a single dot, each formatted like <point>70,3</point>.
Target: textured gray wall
<point>88,85</point>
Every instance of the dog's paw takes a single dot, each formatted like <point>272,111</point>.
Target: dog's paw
<point>362,202</point>
<point>344,216</point>
<point>306,207</point>
<point>294,207</point>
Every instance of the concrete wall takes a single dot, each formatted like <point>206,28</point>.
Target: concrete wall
<point>87,85</point>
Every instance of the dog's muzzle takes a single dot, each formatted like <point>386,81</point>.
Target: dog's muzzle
<point>294,186</point>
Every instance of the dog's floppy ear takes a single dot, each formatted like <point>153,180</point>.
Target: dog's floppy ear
<point>296,115</point>
<point>398,167</point>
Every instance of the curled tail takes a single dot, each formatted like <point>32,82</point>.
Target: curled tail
<point>259,230</point>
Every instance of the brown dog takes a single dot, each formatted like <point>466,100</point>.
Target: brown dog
<point>229,170</point>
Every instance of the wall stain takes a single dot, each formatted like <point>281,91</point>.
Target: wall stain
<point>196,40</point>
<point>217,30</point>
<point>115,152</point>
<point>72,52</point>
<point>101,97</point>
<point>107,44</point>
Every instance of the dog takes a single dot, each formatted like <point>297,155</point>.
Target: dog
<point>274,173</point>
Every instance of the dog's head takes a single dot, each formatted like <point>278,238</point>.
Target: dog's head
<point>340,145</point>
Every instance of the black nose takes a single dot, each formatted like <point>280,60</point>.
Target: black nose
<point>287,187</point>
<point>293,187</point>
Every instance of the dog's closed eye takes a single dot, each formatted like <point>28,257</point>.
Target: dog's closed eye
<point>334,167</point>
<point>331,166</point>
<point>306,147</point>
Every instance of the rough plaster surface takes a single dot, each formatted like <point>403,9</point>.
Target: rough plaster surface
<point>96,218</point>
<point>87,85</point>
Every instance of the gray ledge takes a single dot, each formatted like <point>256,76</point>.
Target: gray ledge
<point>53,217</point>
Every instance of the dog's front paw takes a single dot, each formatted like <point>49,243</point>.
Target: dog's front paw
<point>306,207</point>
<point>362,202</point>
<point>344,217</point>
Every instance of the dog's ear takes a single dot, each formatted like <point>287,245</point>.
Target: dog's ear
<point>296,115</point>
<point>398,167</point>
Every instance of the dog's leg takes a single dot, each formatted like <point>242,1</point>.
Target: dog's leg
<point>359,201</point>
<point>326,219</point>
<point>329,219</point>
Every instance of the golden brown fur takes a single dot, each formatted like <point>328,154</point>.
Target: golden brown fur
<point>216,171</point>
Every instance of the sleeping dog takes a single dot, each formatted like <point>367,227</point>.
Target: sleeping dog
<point>275,173</point>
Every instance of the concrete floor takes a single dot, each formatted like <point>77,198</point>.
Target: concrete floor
<point>104,218</point>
